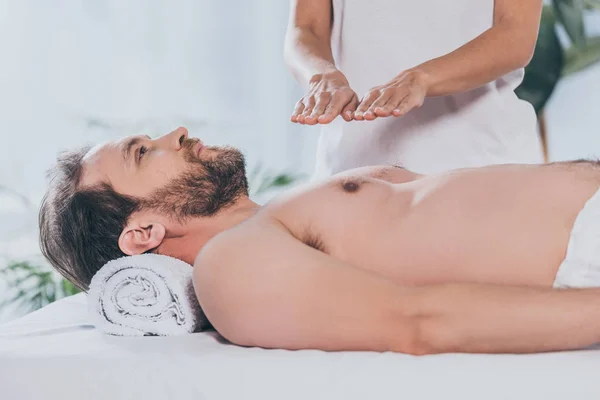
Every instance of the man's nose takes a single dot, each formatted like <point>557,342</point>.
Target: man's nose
<point>176,138</point>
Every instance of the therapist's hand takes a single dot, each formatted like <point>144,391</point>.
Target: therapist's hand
<point>397,97</point>
<point>329,95</point>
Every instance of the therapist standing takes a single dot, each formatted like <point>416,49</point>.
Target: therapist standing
<point>427,84</point>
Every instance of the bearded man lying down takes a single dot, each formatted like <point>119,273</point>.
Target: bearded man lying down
<point>378,258</point>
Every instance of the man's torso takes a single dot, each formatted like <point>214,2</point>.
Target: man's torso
<point>505,224</point>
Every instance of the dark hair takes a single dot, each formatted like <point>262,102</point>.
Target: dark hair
<point>80,227</point>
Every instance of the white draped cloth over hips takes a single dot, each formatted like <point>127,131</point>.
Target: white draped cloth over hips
<point>375,40</point>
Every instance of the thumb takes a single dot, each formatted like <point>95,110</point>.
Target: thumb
<point>348,110</point>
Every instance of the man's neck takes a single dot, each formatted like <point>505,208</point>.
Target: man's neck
<point>185,243</point>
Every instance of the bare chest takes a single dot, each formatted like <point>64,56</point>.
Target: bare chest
<point>465,227</point>
<point>346,216</point>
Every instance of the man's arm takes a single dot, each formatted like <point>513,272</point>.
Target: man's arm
<point>272,291</point>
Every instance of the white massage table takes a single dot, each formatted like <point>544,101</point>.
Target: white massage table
<point>55,354</point>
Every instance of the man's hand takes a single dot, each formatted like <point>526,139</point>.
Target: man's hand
<point>395,98</point>
<point>329,95</point>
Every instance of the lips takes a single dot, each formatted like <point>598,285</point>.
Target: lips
<point>198,148</point>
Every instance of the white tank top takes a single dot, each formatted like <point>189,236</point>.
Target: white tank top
<point>372,42</point>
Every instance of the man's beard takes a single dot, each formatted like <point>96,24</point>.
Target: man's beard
<point>211,185</point>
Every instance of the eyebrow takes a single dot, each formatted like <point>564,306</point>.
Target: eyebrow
<point>126,151</point>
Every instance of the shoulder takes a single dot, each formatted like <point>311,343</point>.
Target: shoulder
<point>234,268</point>
<point>241,243</point>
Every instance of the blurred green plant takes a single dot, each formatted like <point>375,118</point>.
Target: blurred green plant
<point>33,285</point>
<point>262,181</point>
<point>551,60</point>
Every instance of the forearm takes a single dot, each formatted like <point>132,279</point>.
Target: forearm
<point>494,53</point>
<point>308,54</point>
<point>504,319</point>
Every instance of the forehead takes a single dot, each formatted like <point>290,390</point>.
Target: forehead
<point>104,160</point>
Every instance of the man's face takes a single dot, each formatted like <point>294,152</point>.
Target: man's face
<point>173,173</point>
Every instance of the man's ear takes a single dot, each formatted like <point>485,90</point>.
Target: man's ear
<point>138,237</point>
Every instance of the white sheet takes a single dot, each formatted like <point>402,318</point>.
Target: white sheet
<point>55,354</point>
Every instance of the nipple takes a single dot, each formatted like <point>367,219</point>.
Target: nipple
<point>351,186</point>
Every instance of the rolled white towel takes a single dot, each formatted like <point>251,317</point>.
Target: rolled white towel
<point>146,294</point>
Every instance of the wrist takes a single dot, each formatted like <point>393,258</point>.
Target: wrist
<point>422,77</point>
<point>332,75</point>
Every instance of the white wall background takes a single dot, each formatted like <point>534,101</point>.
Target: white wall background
<point>75,72</point>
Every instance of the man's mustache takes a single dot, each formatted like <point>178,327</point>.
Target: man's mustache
<point>189,143</point>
